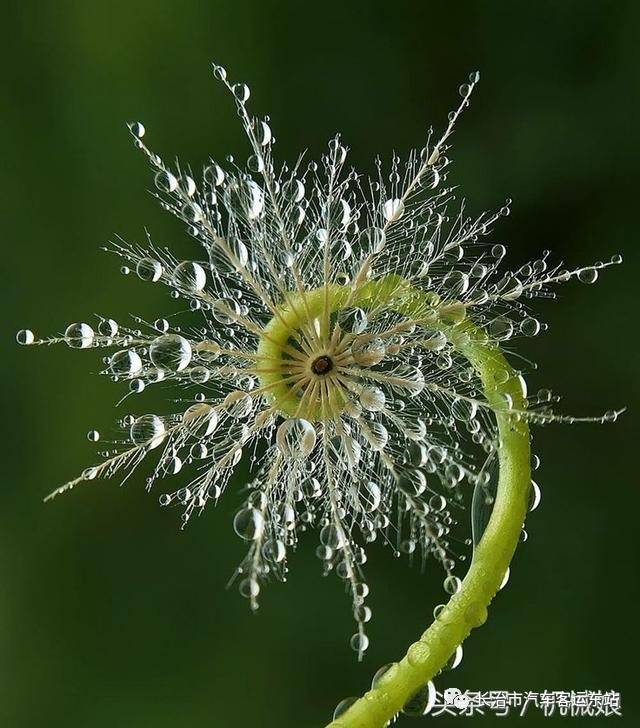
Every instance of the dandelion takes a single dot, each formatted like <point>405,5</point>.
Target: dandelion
<point>343,334</point>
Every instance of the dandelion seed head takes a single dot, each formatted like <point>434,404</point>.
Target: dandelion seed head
<point>320,340</point>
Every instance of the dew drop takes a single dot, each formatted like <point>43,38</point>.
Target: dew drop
<point>367,351</point>
<point>343,706</point>
<point>79,335</point>
<point>535,496</point>
<point>393,209</point>
<point>93,435</point>
<point>165,181</point>
<point>588,275</point>
<point>149,269</point>
<point>501,328</point>
<point>148,430</point>
<point>201,419</point>
<point>248,523</point>
<point>359,642</point>
<point>372,399</point>
<point>296,438</point>
<point>137,129</point>
<point>373,239</point>
<point>241,92</point>
<point>170,352</point>
<point>214,175</point>
<point>108,327</point>
<point>190,276</point>
<point>454,660</point>
<point>125,363</point>
<point>421,702</point>
<point>530,326</point>
<point>25,337</point>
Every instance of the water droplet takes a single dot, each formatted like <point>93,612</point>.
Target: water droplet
<point>274,550</point>
<point>93,435</point>
<point>359,642</point>
<point>165,181</point>
<point>343,706</point>
<point>505,579</point>
<point>108,327</point>
<point>137,129</point>
<point>149,269</point>
<point>214,175</point>
<point>244,199</point>
<point>353,320</point>
<point>421,702</point>
<point>293,190</point>
<point>386,672</point>
<point>412,482</point>
<point>501,328</point>
<point>535,496</point>
<point>588,275</point>
<point>530,326</point>
<point>190,276</point>
<point>201,419</point>
<point>367,351</point>
<point>172,467</point>
<point>25,337</point>
<point>220,72</point>
<point>372,398</point>
<point>199,375</point>
<point>125,363</point>
<point>454,660</point>
<point>241,92</point>
<point>188,185</point>
<point>373,239</point>
<point>147,430</point>
<point>79,336</point>
<point>296,438</point>
<point>170,352</point>
<point>192,212</point>
<point>393,209</point>
<point>249,588</point>
<point>452,584</point>
<point>248,523</point>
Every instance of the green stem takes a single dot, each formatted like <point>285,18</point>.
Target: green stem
<point>467,608</point>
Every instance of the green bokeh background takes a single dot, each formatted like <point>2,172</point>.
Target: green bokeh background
<point>109,614</point>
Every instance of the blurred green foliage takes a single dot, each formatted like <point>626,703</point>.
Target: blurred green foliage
<point>109,614</point>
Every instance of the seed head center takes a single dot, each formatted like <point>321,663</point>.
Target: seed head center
<point>322,365</point>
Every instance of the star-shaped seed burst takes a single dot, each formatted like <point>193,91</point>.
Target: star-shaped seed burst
<point>323,342</point>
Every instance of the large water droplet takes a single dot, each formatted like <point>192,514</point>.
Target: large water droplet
<point>190,276</point>
<point>148,430</point>
<point>367,351</point>
<point>79,335</point>
<point>170,352</point>
<point>25,337</point>
<point>248,523</point>
<point>149,269</point>
<point>373,239</point>
<point>296,438</point>
<point>165,181</point>
<point>421,702</point>
<point>393,209</point>
<point>372,398</point>
<point>125,363</point>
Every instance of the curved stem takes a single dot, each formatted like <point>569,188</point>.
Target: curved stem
<point>467,608</point>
